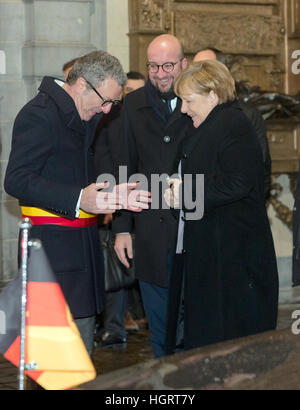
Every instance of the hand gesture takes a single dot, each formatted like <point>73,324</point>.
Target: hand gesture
<point>172,194</point>
<point>96,200</point>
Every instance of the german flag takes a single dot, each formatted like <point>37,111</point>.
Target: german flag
<point>52,339</point>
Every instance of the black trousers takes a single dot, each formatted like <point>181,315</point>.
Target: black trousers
<point>175,311</point>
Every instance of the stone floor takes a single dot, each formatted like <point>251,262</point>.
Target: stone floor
<point>138,349</point>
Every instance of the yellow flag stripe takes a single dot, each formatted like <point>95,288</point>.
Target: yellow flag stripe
<point>33,211</point>
<point>60,353</point>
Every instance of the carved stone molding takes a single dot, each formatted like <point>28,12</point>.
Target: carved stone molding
<point>151,15</point>
<point>260,34</point>
<point>294,16</point>
<point>283,212</point>
<point>275,2</point>
<point>267,73</point>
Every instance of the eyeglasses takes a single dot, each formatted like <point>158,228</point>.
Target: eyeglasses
<point>167,67</point>
<point>105,102</point>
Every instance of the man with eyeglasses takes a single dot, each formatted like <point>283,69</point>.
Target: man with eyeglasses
<point>51,172</point>
<point>110,328</point>
<point>152,130</point>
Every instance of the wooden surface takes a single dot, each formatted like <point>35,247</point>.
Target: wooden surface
<point>269,360</point>
<point>260,34</point>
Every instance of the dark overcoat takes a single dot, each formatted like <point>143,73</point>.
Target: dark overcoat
<point>149,142</point>
<point>230,272</point>
<point>50,162</point>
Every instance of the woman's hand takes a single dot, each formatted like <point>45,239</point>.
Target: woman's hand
<point>172,194</point>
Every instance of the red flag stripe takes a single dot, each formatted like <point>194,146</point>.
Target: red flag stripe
<point>13,355</point>
<point>53,220</point>
<point>13,352</point>
<point>46,305</point>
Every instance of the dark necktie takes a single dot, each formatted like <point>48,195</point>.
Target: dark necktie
<point>169,105</point>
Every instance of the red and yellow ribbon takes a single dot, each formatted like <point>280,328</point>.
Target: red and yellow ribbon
<point>39,216</point>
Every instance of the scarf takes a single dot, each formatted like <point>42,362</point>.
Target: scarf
<point>156,100</point>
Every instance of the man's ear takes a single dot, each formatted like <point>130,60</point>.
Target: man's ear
<point>81,83</point>
<point>79,86</point>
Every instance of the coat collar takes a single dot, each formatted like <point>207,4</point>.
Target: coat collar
<point>216,109</point>
<point>142,101</point>
<point>66,105</point>
<point>194,139</point>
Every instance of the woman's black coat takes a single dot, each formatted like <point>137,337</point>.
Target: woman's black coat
<point>230,271</point>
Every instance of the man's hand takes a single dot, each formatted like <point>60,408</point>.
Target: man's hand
<point>107,219</point>
<point>124,196</point>
<point>123,246</point>
<point>171,194</point>
<point>131,198</point>
<point>98,202</point>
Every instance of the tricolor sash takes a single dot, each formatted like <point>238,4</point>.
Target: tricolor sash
<point>39,216</point>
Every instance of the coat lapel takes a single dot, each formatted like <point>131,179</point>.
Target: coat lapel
<point>74,123</point>
<point>70,116</point>
<point>176,115</point>
<point>203,129</point>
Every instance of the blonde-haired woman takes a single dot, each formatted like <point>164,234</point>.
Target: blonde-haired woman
<point>225,272</point>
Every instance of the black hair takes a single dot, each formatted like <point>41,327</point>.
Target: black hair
<point>219,54</point>
<point>135,75</point>
<point>69,64</point>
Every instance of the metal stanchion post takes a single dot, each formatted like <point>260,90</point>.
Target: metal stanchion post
<point>25,226</point>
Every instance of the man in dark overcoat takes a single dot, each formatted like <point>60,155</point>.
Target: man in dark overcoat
<point>111,330</point>
<point>152,131</point>
<point>51,172</point>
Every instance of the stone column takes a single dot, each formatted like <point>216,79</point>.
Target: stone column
<point>117,34</point>
<point>12,98</point>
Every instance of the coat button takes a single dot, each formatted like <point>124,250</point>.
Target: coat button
<point>161,220</point>
<point>184,156</point>
<point>167,138</point>
<point>183,251</point>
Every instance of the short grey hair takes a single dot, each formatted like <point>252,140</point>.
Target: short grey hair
<point>96,67</point>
